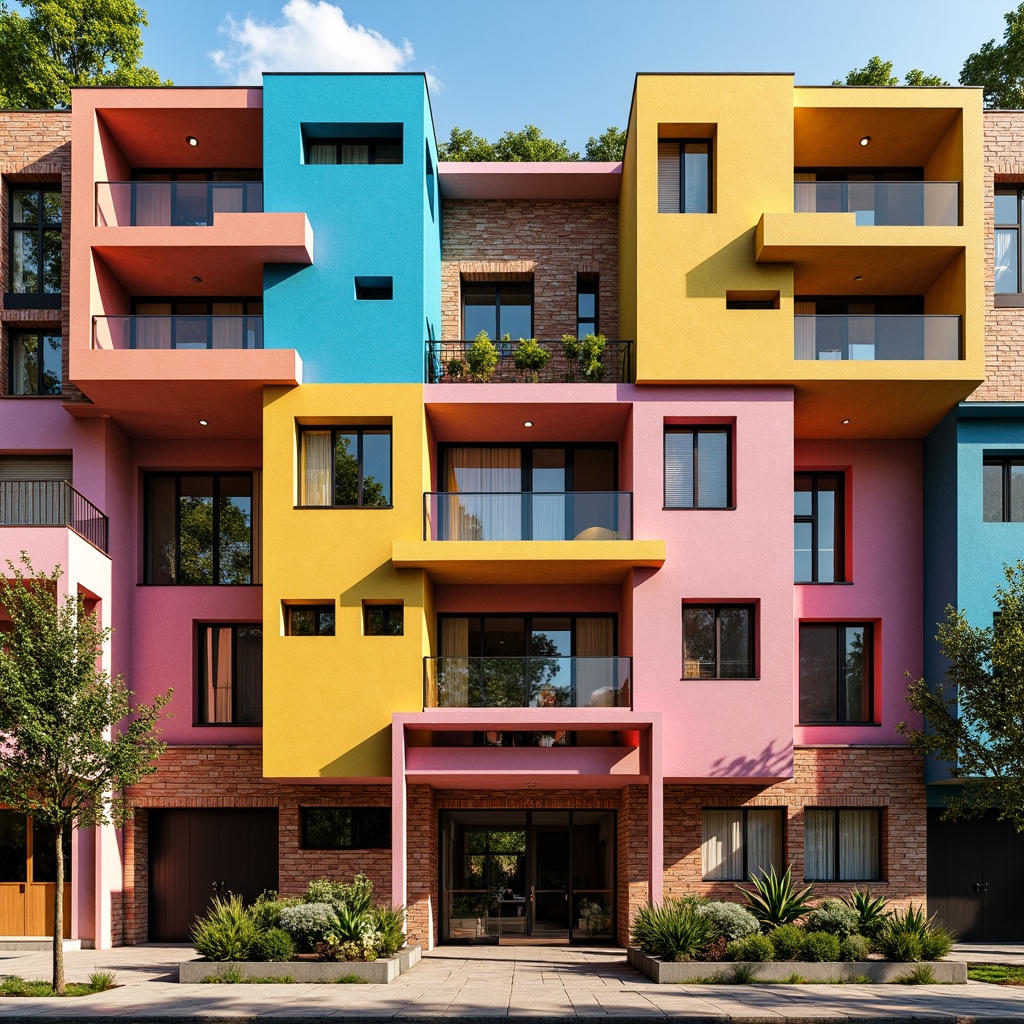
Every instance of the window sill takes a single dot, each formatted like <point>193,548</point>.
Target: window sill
<point>841,725</point>
<point>848,881</point>
<point>720,679</point>
<point>59,397</point>
<point>811,583</point>
<point>204,586</point>
<point>1008,299</point>
<point>227,725</point>
<point>345,508</point>
<point>682,508</point>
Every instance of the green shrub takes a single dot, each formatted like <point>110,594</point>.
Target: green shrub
<point>389,924</point>
<point>229,976</point>
<point>922,974</point>
<point>833,916</point>
<point>774,901</point>
<point>457,368</point>
<point>273,945</point>
<point>900,946</point>
<point>351,979</point>
<point>102,981</point>
<point>227,932</point>
<point>673,931</point>
<point>308,924</point>
<point>911,935</point>
<point>356,895</point>
<point>728,921</point>
<point>530,356</point>
<point>820,947</point>
<point>742,974</point>
<point>871,912</point>
<point>787,940</point>
<point>586,354</point>
<point>482,357</point>
<point>936,943</point>
<point>755,948</point>
<point>854,948</point>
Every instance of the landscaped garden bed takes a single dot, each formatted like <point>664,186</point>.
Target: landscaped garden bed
<point>333,932</point>
<point>778,935</point>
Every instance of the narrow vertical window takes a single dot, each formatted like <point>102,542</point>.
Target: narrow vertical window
<point>836,677</point>
<point>36,364</point>
<point>684,176</point>
<point>35,244</point>
<point>818,530</point>
<point>230,675</point>
<point>1007,242</point>
<point>586,304</point>
<point>1003,490</point>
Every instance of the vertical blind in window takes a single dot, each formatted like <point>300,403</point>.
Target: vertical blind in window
<point>668,177</point>
<point>684,177</point>
<point>697,468</point>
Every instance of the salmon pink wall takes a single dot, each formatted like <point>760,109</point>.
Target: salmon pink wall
<point>884,501</point>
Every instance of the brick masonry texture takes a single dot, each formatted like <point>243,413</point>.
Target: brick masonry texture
<point>551,239</point>
<point>35,149</point>
<point>1004,326</point>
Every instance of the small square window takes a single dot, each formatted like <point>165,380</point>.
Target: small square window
<point>718,641</point>
<point>1003,489</point>
<point>36,364</point>
<point>383,619</point>
<point>380,288</point>
<point>309,620</point>
<point>345,467</point>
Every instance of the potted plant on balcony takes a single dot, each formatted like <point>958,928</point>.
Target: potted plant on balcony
<point>584,356</point>
<point>530,359</point>
<point>482,358</point>
<point>457,368</point>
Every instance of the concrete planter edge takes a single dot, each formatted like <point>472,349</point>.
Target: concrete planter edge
<point>376,972</point>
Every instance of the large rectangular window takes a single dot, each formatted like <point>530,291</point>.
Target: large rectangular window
<point>842,844</point>
<point>345,467</point>
<point>35,246</point>
<point>1007,241</point>
<point>199,528</point>
<point>718,641</point>
<point>355,142</point>
<point>818,528</point>
<point>36,364</point>
<point>697,470</point>
<point>230,675</point>
<point>684,176</point>
<point>1004,489</point>
<point>738,842</point>
<point>346,828</point>
<point>497,307</point>
<point>836,678</point>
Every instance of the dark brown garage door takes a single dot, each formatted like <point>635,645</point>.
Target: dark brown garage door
<point>197,854</point>
<point>975,882</point>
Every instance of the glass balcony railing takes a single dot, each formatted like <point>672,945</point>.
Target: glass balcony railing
<point>158,204</point>
<point>532,682</point>
<point>862,336</point>
<point>447,362</point>
<point>528,515</point>
<point>51,503</point>
<point>883,203</point>
<point>186,332</point>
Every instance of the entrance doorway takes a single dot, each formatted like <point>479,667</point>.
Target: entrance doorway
<point>543,876</point>
<point>28,873</point>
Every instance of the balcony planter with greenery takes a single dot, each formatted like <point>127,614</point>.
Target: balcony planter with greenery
<point>530,359</point>
<point>482,358</point>
<point>584,356</point>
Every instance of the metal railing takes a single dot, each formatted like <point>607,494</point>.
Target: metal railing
<point>447,363</point>
<point>156,204</point>
<point>52,503</point>
<point>863,336</point>
<point>528,515</point>
<point>883,203</point>
<point>187,332</point>
<point>531,682</point>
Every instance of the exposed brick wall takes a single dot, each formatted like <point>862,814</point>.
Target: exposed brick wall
<point>35,149</point>
<point>233,777</point>
<point>553,239</point>
<point>886,777</point>
<point>1004,326</point>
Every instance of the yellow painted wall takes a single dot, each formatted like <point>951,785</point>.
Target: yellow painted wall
<point>327,701</point>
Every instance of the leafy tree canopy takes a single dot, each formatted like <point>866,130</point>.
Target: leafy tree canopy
<point>879,72</point>
<point>463,144</point>
<point>975,720</point>
<point>60,44</point>
<point>999,67</point>
<point>609,145</point>
<point>528,145</point>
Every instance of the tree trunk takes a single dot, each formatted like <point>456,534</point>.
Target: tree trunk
<point>58,917</point>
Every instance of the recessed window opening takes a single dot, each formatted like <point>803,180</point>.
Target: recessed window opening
<point>818,528</point>
<point>309,620</point>
<point>36,364</point>
<point>697,467</point>
<point>497,307</point>
<point>1004,489</point>
<point>586,304</point>
<point>380,288</point>
<point>751,300</point>
<point>34,241</point>
<point>346,828</point>
<point>345,467</point>
<point>352,143</point>
<point>383,619</point>
<point>684,176</point>
<point>429,178</point>
<point>836,673</point>
<point>738,842</point>
<point>230,674</point>
<point>718,641</point>
<point>843,844</point>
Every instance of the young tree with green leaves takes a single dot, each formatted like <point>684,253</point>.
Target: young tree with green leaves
<point>60,44</point>
<point>464,144</point>
<point>879,72</point>
<point>609,145</point>
<point>528,145</point>
<point>999,67</point>
<point>975,720</point>
<point>73,739</point>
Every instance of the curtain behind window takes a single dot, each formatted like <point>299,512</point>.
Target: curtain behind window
<point>152,203</point>
<point>804,327</point>
<point>453,674</point>
<point>485,485</point>
<point>764,840</point>
<point>858,844</point>
<point>721,851</point>
<point>596,675</point>
<point>317,461</point>
<point>323,153</point>
<point>249,675</point>
<point>819,843</point>
<point>227,324</point>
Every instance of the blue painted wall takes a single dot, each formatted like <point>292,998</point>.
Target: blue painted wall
<point>367,220</point>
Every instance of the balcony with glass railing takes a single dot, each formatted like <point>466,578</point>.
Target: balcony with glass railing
<point>528,515</point>
<point>883,203</point>
<point>52,503</point>
<point>877,337</point>
<point>177,332</point>
<point>173,203</point>
<point>530,682</point>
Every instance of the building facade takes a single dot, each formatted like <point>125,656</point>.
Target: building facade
<point>529,633</point>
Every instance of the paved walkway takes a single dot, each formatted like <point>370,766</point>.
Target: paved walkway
<point>478,982</point>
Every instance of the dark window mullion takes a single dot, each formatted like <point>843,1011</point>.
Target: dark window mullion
<point>814,528</point>
<point>696,443</point>
<point>841,673</point>
<point>177,528</point>
<point>215,489</point>
<point>1007,512</point>
<point>359,468</point>
<point>234,674</point>
<point>837,870</point>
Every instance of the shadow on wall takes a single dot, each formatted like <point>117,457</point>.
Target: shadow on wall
<point>771,764</point>
<point>375,750</point>
<point>708,279</point>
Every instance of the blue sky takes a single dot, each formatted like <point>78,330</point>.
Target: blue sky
<point>564,65</point>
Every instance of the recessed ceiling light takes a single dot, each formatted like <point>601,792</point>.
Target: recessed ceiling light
<point>865,140</point>
<point>196,279</point>
<point>206,423</point>
<point>192,140</point>
<point>845,423</point>
<point>527,423</point>
<point>858,278</point>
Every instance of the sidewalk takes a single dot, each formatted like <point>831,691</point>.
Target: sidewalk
<point>475,982</point>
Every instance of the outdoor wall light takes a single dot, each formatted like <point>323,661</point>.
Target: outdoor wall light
<point>845,423</point>
<point>858,278</point>
<point>204,423</point>
<point>865,140</point>
<point>192,141</point>
<point>527,423</point>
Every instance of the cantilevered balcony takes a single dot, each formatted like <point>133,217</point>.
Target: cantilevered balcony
<point>52,503</point>
<point>531,682</point>
<point>173,203</point>
<point>448,362</point>
<point>177,332</point>
<point>883,203</point>
<point>876,337</point>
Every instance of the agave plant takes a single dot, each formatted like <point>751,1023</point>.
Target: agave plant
<point>773,900</point>
<point>870,911</point>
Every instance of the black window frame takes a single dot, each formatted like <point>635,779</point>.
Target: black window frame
<point>1005,462</point>
<point>1017,192</point>
<point>716,607</point>
<point>317,611</point>
<point>869,668</point>
<point>373,428</point>
<point>370,141</point>
<point>682,144</point>
<point>528,619</point>
<point>41,337</point>
<point>357,828</point>
<point>696,430</point>
<point>839,557</point>
<point>200,711</point>
<point>838,815</point>
<point>496,284</point>
<point>147,516</point>
<point>783,814</point>
<point>588,284</point>
<point>391,612</point>
<point>39,299</point>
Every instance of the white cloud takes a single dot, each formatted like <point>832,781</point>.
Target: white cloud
<point>313,35</point>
